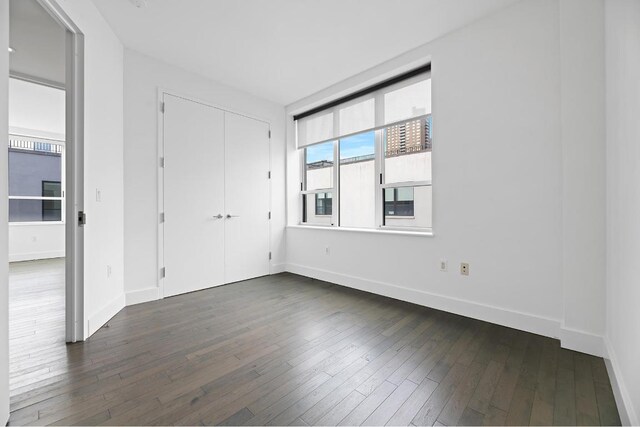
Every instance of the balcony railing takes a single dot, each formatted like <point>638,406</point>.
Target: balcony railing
<point>32,144</point>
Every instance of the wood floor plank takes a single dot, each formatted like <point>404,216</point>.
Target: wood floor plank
<point>565,401</point>
<point>287,350</point>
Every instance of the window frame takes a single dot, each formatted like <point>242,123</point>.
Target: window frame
<point>17,142</point>
<point>380,185</point>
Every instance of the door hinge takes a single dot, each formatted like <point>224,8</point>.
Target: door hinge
<point>269,214</point>
<point>161,217</point>
<point>161,162</point>
<point>163,272</point>
<point>269,255</point>
<point>162,107</point>
<point>269,174</point>
<point>82,218</point>
<point>269,133</point>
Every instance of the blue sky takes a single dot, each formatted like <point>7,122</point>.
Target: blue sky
<point>356,145</point>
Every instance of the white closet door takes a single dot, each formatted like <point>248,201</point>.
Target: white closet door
<point>193,196</point>
<point>246,198</point>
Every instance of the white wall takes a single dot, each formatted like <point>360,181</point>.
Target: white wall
<point>103,164</point>
<point>498,175</point>
<point>583,173</point>
<point>143,76</point>
<point>38,111</point>
<point>35,241</point>
<point>4,209</point>
<point>623,202</point>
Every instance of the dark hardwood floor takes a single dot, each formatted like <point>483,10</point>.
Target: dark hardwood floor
<point>286,349</point>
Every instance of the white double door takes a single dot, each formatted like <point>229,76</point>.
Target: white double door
<point>216,196</point>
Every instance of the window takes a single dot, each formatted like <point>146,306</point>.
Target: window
<point>398,201</point>
<point>323,204</point>
<point>367,160</point>
<point>35,180</point>
<point>318,184</point>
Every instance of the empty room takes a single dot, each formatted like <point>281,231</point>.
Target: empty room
<point>320,212</point>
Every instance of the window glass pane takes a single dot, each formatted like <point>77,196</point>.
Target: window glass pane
<point>34,210</point>
<point>407,151</point>
<point>357,180</point>
<point>407,102</point>
<point>398,201</point>
<point>29,169</point>
<point>317,208</point>
<point>324,204</point>
<point>407,207</point>
<point>51,189</point>
<point>357,117</point>
<point>316,128</point>
<point>319,166</point>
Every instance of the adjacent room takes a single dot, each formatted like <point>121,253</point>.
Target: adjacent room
<point>320,212</point>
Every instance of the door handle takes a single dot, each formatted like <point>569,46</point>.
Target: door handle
<point>219,216</point>
<point>232,216</point>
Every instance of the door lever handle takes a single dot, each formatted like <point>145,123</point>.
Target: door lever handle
<point>232,216</point>
<point>219,216</point>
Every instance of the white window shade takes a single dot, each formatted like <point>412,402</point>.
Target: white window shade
<point>357,116</point>
<point>410,98</point>
<point>407,102</point>
<point>315,128</point>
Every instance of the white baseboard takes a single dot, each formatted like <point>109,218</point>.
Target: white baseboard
<point>572,339</point>
<point>581,341</point>
<point>98,320</point>
<point>277,268</point>
<point>627,412</point>
<point>513,319</point>
<point>32,256</point>
<point>142,295</point>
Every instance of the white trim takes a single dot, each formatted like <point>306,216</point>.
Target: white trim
<point>584,342</point>
<point>425,233</point>
<point>142,295</point>
<point>277,268</point>
<point>37,80</point>
<point>162,90</point>
<point>112,308</point>
<point>75,315</point>
<point>624,403</point>
<point>30,256</point>
<point>572,339</point>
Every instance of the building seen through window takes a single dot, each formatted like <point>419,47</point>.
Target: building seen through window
<point>35,180</point>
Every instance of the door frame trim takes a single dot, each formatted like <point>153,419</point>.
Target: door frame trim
<point>161,92</point>
<point>74,176</point>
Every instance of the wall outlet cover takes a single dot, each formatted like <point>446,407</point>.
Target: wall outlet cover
<point>464,268</point>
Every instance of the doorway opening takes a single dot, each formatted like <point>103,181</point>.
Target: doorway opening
<point>45,189</point>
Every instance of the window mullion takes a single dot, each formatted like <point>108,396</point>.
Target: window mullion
<point>379,173</point>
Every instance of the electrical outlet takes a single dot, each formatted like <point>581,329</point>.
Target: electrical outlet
<point>327,250</point>
<point>98,195</point>
<point>443,265</point>
<point>464,268</point>
<point>108,271</point>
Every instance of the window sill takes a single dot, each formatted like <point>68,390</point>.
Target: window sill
<point>36,223</point>
<point>363,230</point>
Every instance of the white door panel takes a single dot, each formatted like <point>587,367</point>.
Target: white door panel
<point>246,198</point>
<point>193,196</point>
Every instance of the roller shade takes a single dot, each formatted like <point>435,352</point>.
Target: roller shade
<point>403,100</point>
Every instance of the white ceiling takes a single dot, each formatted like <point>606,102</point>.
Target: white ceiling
<point>39,42</point>
<point>284,50</point>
